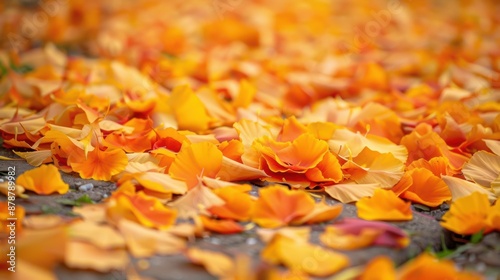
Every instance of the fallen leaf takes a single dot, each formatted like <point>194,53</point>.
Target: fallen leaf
<point>384,205</point>
<point>294,204</point>
<point>45,179</point>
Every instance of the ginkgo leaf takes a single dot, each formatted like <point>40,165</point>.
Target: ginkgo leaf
<point>438,165</point>
<point>349,144</point>
<point>370,167</point>
<point>303,257</point>
<point>102,236</point>
<point>291,130</point>
<point>238,204</point>
<point>234,171</point>
<point>483,168</point>
<point>100,165</point>
<point>188,109</point>
<point>196,160</point>
<point>198,199</point>
<point>300,233</point>
<point>221,226</point>
<point>143,242</point>
<point>351,233</point>
<point>294,204</point>
<point>321,212</point>
<point>468,215</point>
<point>384,205</point>
<point>215,263</point>
<point>160,182</point>
<point>44,179</point>
<point>140,208</point>
<point>380,267</point>
<point>36,158</point>
<point>351,192</point>
<point>460,188</point>
<point>425,143</point>
<point>250,130</point>
<point>422,186</point>
<point>493,145</point>
<point>83,255</point>
<point>421,267</point>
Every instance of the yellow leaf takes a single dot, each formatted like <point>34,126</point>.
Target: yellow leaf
<point>45,179</point>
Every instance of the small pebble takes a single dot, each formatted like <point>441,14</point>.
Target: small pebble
<point>481,267</point>
<point>215,241</point>
<point>78,183</point>
<point>86,187</point>
<point>251,241</point>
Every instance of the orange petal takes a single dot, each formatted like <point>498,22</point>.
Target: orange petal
<point>438,165</point>
<point>139,207</point>
<point>195,160</point>
<point>198,199</point>
<point>235,171</point>
<point>143,242</point>
<point>238,204</point>
<point>215,263</point>
<point>379,268</point>
<point>232,149</point>
<point>351,192</point>
<point>370,167</point>
<point>426,266</point>
<point>82,255</point>
<point>322,212</point>
<point>483,168</point>
<point>221,226</point>
<point>468,215</point>
<point>337,239</point>
<point>384,205</point>
<point>426,188</point>
<point>303,257</point>
<point>188,109</point>
<point>102,236</point>
<point>294,204</point>
<point>100,165</point>
<point>45,179</point>
<point>460,188</point>
<point>291,130</point>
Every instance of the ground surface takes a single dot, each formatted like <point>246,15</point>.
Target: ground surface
<point>424,229</point>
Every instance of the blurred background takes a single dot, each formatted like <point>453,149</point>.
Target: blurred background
<point>316,43</point>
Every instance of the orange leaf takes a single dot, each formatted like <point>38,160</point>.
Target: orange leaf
<point>87,256</point>
<point>143,242</point>
<point>384,205</point>
<point>238,204</point>
<point>188,109</point>
<point>45,179</point>
<point>294,204</point>
<point>221,226</point>
<point>426,266</point>
<point>426,188</point>
<point>100,165</point>
<point>215,263</point>
<point>198,199</point>
<point>195,160</point>
<point>140,208</point>
<point>379,268</point>
<point>303,257</point>
<point>468,215</point>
